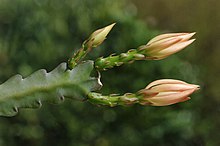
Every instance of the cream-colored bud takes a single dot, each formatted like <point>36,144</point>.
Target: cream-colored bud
<point>166,92</point>
<point>165,45</point>
<point>97,37</point>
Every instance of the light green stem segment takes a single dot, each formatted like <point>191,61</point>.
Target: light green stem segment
<point>118,60</point>
<point>113,100</point>
<point>79,55</point>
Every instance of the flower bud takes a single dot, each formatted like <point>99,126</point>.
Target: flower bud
<point>165,45</point>
<point>97,37</point>
<point>166,92</point>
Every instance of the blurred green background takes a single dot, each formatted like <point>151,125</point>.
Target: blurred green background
<point>42,33</point>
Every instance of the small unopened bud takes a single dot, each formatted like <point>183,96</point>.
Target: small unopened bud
<point>165,45</point>
<point>166,92</point>
<point>97,37</point>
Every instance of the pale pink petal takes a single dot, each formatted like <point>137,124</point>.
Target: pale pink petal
<point>170,99</point>
<point>164,81</point>
<point>197,87</point>
<point>164,36</point>
<point>171,87</point>
<point>147,92</point>
<point>185,99</point>
<point>173,49</point>
<point>167,93</point>
<point>186,37</point>
<point>162,44</point>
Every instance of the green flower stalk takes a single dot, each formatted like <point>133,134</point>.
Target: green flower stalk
<point>118,60</point>
<point>157,48</point>
<point>158,93</point>
<point>95,39</point>
<point>113,99</point>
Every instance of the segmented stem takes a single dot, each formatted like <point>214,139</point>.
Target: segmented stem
<point>118,60</point>
<point>114,99</point>
<point>79,55</point>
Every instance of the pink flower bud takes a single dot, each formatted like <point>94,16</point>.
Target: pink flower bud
<point>166,92</point>
<point>165,45</point>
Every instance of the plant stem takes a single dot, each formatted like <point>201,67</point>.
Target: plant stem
<point>79,55</point>
<point>113,100</point>
<point>118,60</point>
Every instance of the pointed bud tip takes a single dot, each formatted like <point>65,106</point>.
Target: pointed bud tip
<point>98,36</point>
<point>187,36</point>
<point>113,24</point>
<point>191,41</point>
<point>109,28</point>
<point>196,87</point>
<point>193,33</point>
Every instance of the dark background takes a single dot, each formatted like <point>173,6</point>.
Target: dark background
<point>42,33</point>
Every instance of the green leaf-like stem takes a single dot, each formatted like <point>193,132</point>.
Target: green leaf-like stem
<point>50,87</point>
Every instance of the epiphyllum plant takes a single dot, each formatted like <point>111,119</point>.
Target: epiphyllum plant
<point>72,79</point>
